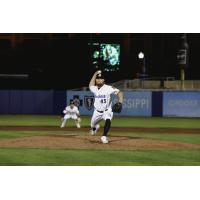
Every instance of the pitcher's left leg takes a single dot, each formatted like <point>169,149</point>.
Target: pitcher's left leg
<point>107,117</point>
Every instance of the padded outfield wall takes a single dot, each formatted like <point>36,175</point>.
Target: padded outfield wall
<point>147,104</point>
<point>181,104</point>
<point>32,101</point>
<point>136,103</point>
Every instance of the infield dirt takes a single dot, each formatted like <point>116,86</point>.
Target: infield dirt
<point>73,140</point>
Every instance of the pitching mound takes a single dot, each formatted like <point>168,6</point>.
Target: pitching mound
<point>116,129</point>
<point>93,142</point>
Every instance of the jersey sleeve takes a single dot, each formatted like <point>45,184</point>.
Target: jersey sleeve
<point>77,111</point>
<point>93,89</point>
<point>113,90</point>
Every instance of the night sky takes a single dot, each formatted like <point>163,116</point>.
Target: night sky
<point>63,61</point>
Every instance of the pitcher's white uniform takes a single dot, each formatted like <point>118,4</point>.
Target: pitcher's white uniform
<point>71,113</point>
<point>102,103</point>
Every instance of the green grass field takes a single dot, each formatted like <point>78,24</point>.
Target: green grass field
<point>90,157</point>
<point>43,157</point>
<point>52,120</point>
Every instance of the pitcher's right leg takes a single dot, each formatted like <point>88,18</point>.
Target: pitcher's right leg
<point>96,117</point>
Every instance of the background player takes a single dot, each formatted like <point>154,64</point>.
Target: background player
<point>71,112</point>
<point>103,104</point>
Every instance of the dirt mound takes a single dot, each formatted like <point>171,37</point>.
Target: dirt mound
<point>93,142</point>
<point>116,129</point>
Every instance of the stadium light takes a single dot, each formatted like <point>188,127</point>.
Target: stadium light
<point>142,58</point>
<point>141,55</point>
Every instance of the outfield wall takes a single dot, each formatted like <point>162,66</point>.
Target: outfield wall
<point>181,104</point>
<point>31,101</point>
<point>136,103</point>
<point>145,103</point>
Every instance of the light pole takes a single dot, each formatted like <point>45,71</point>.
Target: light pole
<point>142,58</point>
<point>182,57</point>
<point>143,67</point>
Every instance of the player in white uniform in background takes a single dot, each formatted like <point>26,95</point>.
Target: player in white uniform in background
<point>71,112</point>
<point>102,104</point>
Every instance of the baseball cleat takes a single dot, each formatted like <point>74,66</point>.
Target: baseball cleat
<point>104,140</point>
<point>92,132</point>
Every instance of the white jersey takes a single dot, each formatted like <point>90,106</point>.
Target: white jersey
<point>71,111</point>
<point>102,96</point>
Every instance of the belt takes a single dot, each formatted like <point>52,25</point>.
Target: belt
<point>101,111</point>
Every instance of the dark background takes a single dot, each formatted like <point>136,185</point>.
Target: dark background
<point>63,60</point>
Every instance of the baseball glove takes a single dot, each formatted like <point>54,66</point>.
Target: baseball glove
<point>117,108</point>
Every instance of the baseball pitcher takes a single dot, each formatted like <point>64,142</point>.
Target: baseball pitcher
<point>103,108</point>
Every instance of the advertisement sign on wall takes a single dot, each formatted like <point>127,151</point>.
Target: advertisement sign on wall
<point>135,103</point>
<point>181,104</point>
